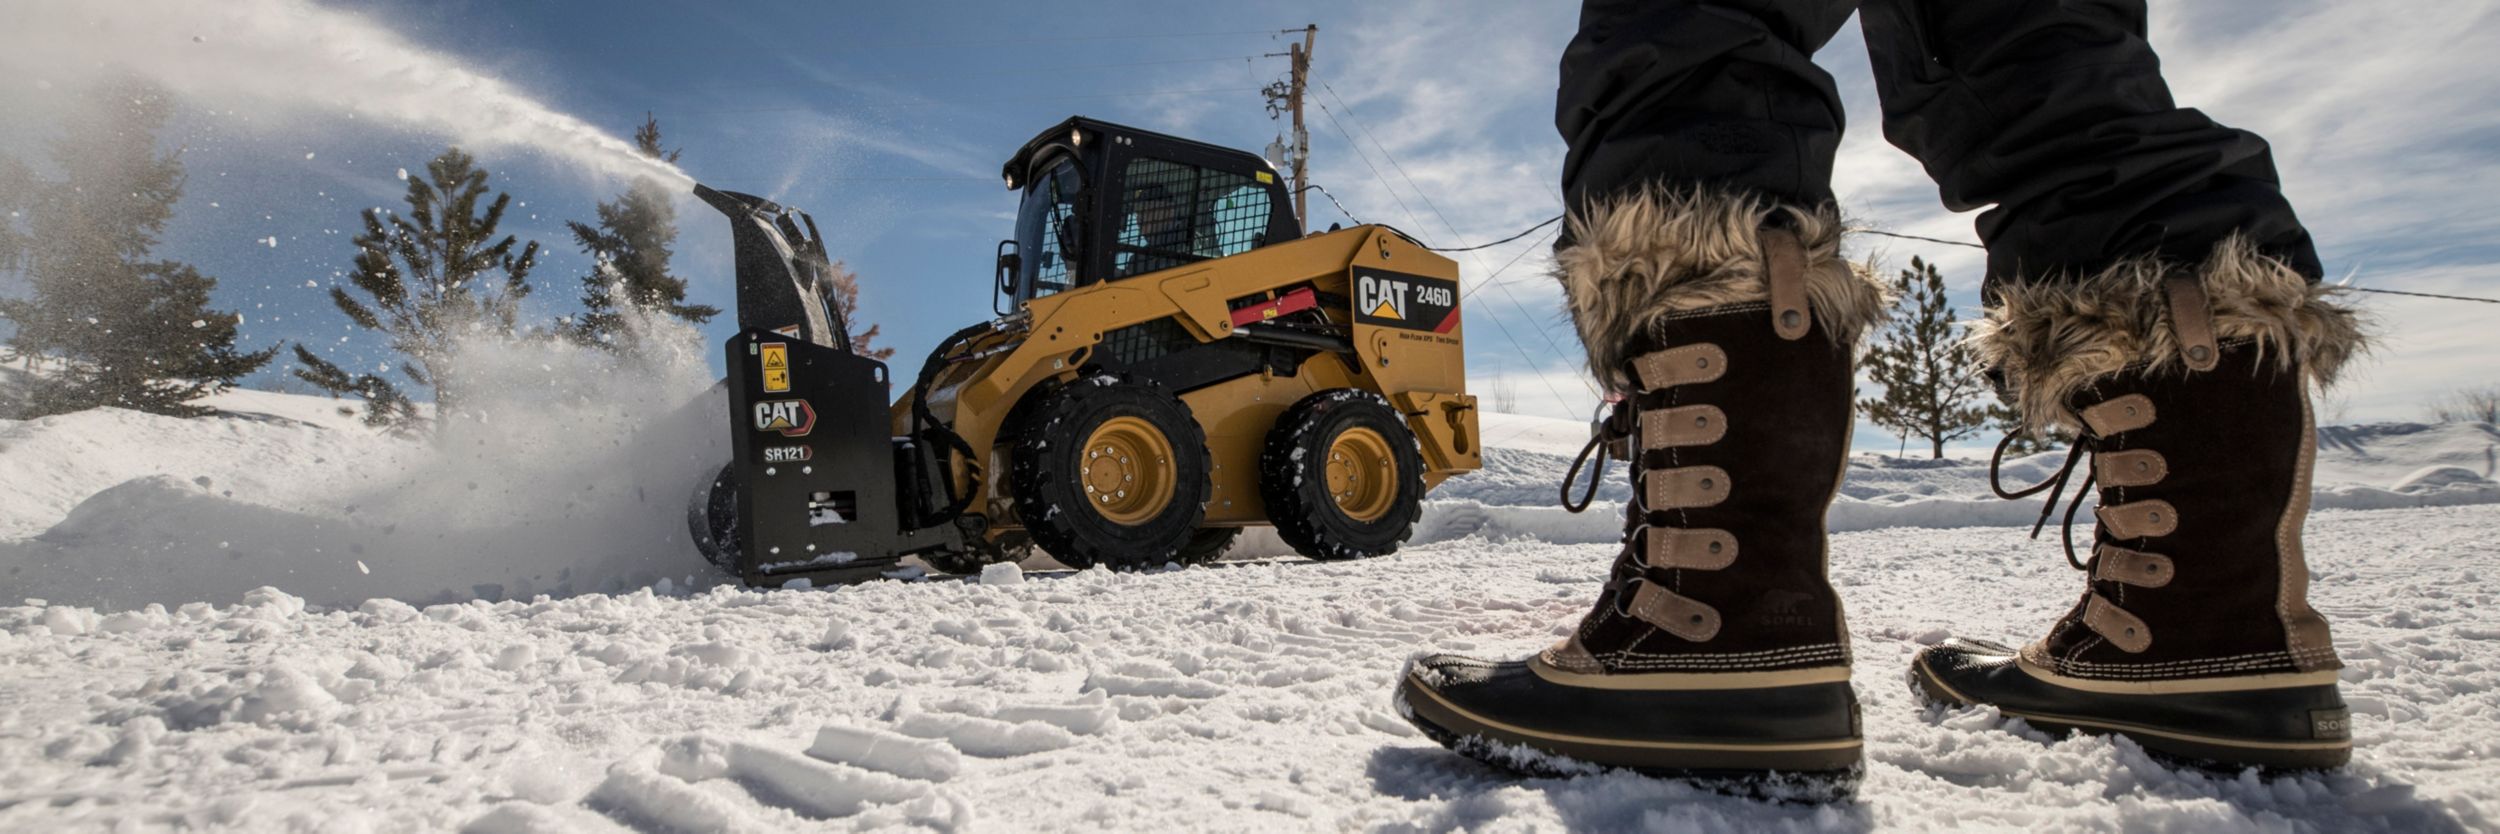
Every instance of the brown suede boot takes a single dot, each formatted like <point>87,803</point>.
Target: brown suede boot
<point>2189,388</point>
<point>1717,646</point>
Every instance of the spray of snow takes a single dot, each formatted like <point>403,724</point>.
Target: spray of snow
<point>565,470</point>
<point>290,56</point>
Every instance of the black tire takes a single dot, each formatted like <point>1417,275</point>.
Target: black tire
<point>1008,547</point>
<point>1207,545</point>
<point>712,519</point>
<point>1067,499</point>
<point>1294,478</point>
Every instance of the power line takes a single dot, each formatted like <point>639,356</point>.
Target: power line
<point>1522,307</point>
<point>2423,294</point>
<point>1065,39</point>
<point>812,108</point>
<point>727,85</point>
<point>2347,286</point>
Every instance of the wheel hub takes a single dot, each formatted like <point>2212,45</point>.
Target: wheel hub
<point>1127,470</point>
<point>1362,474</point>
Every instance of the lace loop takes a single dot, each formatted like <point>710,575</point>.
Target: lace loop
<point>1614,427</point>
<point>2055,485</point>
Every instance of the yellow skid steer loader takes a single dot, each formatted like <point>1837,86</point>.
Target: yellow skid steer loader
<point>1173,361</point>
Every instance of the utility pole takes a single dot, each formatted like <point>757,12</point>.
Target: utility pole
<point>1291,94</point>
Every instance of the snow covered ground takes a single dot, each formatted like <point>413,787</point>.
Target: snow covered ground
<point>490,684</point>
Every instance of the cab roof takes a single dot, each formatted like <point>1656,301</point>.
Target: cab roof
<point>1054,141</point>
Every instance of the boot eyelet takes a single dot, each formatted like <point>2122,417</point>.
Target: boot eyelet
<point>1697,618</point>
<point>1708,484</point>
<point>2199,353</point>
<point>2143,466</point>
<point>1789,318</point>
<point>2153,517</point>
<point>1701,422</point>
<point>2131,632</point>
<point>1714,546</point>
<point>1704,362</point>
<point>2152,568</point>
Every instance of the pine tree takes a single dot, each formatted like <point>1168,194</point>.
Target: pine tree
<point>103,323</point>
<point>845,284</point>
<point>430,279</point>
<point>629,253</point>
<point>1931,382</point>
<point>2010,422</point>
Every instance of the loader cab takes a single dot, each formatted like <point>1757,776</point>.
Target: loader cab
<point>1102,202</point>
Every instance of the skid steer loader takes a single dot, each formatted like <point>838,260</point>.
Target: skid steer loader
<point>1172,361</point>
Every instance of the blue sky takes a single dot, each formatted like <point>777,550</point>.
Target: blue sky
<point>888,122</point>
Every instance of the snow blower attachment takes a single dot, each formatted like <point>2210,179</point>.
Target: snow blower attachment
<point>1173,361</point>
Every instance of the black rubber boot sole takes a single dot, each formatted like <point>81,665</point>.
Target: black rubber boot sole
<point>1767,765</point>
<point>2274,728</point>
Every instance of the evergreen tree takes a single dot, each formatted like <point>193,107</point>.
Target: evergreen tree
<point>629,253</point>
<point>1931,383</point>
<point>846,299</point>
<point>2010,422</point>
<point>430,278</point>
<point>103,323</point>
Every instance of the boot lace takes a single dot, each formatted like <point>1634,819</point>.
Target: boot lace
<point>2056,487</point>
<point>1615,426</point>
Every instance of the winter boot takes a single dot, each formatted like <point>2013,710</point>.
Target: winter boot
<point>1717,646</point>
<point>2189,390</point>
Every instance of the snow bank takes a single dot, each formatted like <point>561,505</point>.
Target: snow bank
<point>570,474</point>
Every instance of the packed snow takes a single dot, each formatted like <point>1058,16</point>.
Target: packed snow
<point>278,619</point>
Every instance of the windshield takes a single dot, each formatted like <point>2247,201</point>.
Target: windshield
<point>1045,233</point>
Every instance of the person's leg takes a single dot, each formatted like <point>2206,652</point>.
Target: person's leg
<point>1703,270</point>
<point>2151,294</point>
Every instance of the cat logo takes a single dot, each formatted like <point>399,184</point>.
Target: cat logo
<point>1383,298</point>
<point>776,368</point>
<point>1406,302</point>
<point>792,418</point>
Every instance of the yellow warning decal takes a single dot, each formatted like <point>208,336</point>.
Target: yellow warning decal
<point>1265,177</point>
<point>776,368</point>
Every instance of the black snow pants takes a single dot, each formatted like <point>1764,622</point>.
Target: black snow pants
<point>2051,113</point>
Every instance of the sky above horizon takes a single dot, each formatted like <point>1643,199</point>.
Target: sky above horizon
<point>888,123</point>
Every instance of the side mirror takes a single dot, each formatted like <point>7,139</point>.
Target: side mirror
<point>1009,265</point>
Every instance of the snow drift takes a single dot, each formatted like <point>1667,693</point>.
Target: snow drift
<point>571,475</point>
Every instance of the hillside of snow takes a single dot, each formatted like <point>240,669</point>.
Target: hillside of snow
<point>588,493</point>
<point>280,620</point>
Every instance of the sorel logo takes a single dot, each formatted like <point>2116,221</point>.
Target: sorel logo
<point>2330,723</point>
<point>1785,608</point>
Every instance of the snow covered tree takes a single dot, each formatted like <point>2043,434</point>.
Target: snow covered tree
<point>17,187</point>
<point>846,298</point>
<point>430,278</point>
<point>1931,382</point>
<point>103,323</point>
<point>629,252</point>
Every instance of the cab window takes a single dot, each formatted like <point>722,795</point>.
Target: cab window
<point>1173,214</point>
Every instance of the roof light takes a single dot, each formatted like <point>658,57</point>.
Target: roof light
<point>1077,138</point>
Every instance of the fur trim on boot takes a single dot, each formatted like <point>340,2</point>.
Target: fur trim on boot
<point>2050,338</point>
<point>1641,256</point>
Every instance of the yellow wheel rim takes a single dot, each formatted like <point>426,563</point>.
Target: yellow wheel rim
<point>1362,474</point>
<point>1127,470</point>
